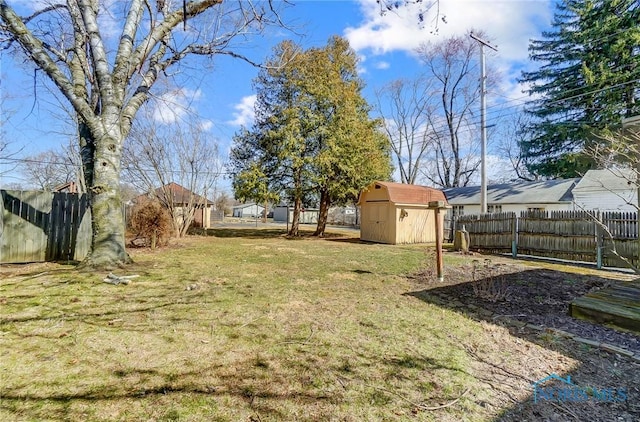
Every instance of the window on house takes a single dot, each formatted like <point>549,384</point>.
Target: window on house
<point>534,209</point>
<point>458,210</point>
<point>494,208</point>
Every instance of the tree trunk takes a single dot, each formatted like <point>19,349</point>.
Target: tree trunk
<point>102,176</point>
<point>264,215</point>
<point>323,213</point>
<point>295,222</point>
<point>154,238</point>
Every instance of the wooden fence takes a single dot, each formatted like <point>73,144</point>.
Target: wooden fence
<point>596,237</point>
<point>40,226</point>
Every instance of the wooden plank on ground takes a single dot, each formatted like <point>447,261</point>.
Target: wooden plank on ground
<point>617,305</point>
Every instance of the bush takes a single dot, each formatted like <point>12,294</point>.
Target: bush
<point>150,223</point>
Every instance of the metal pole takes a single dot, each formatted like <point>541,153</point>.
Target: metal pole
<point>483,124</point>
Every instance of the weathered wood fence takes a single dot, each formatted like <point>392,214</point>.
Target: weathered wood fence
<point>596,237</point>
<point>40,226</point>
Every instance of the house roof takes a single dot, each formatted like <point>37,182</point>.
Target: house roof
<point>607,180</point>
<point>252,204</point>
<point>179,195</point>
<point>401,193</point>
<point>538,192</point>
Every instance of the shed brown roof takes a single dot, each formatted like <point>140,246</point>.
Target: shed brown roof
<point>401,193</point>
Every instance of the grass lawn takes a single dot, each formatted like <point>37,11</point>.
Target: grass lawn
<point>250,326</point>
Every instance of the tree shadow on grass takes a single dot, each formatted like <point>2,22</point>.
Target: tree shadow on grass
<point>534,305</point>
<point>260,233</point>
<point>249,233</point>
<point>210,382</point>
<point>353,240</point>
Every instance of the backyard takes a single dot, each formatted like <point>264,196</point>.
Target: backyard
<point>247,325</point>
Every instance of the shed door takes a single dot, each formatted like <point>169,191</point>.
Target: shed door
<point>378,221</point>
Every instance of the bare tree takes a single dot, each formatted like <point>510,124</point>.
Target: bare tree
<point>453,122</point>
<point>105,59</point>
<point>8,160</point>
<point>509,146</point>
<point>620,155</point>
<point>223,202</point>
<point>53,168</point>
<point>178,164</point>
<point>407,105</point>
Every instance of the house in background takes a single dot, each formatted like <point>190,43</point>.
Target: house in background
<point>248,210</point>
<point>307,215</point>
<point>607,190</point>
<point>181,199</point>
<point>69,187</point>
<point>396,213</point>
<point>545,195</point>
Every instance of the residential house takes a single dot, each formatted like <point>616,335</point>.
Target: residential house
<point>545,195</point>
<point>607,190</point>
<point>182,199</point>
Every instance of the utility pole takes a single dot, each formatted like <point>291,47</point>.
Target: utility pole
<point>483,124</point>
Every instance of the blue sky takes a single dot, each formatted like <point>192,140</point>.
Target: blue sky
<point>223,96</point>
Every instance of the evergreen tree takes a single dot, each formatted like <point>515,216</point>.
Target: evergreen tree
<point>312,138</point>
<point>587,83</point>
<point>352,151</point>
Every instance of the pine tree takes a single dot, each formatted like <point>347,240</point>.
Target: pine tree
<point>587,82</point>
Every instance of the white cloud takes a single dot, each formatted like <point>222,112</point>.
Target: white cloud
<point>245,112</point>
<point>382,65</point>
<point>509,24</point>
<point>172,106</point>
<point>206,125</point>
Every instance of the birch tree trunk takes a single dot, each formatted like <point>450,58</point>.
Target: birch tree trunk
<point>107,213</point>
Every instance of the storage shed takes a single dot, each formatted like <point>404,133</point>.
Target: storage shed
<point>396,213</point>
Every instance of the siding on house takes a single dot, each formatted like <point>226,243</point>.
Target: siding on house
<point>308,216</point>
<point>517,208</point>
<point>248,211</point>
<point>606,190</point>
<point>181,198</point>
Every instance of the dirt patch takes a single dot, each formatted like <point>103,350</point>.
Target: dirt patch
<point>533,303</point>
<point>539,296</point>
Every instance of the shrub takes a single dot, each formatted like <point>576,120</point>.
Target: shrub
<point>151,223</point>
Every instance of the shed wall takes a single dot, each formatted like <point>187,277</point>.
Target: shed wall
<point>417,226</point>
<point>374,194</point>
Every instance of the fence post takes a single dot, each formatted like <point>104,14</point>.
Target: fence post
<point>514,236</point>
<point>599,242</point>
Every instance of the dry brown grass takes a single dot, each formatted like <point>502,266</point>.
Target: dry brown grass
<point>253,328</point>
